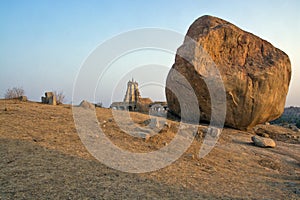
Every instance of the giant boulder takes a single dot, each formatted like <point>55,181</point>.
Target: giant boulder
<point>256,75</point>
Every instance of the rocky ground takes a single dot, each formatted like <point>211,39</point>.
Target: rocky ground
<point>42,157</point>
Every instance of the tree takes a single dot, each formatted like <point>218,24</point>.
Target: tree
<point>60,97</point>
<point>14,92</point>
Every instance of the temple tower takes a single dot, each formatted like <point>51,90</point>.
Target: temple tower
<point>132,93</point>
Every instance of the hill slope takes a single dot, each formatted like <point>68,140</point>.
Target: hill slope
<point>43,157</point>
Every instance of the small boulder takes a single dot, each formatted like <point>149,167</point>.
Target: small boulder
<point>198,134</point>
<point>145,136</point>
<point>263,142</point>
<point>294,128</point>
<point>265,135</point>
<point>262,134</point>
<point>167,125</point>
<point>87,105</point>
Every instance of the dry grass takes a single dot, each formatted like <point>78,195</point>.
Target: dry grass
<point>42,157</point>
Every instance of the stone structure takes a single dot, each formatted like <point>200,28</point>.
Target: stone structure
<point>133,100</point>
<point>132,93</point>
<point>49,98</point>
<point>256,75</point>
<point>23,98</point>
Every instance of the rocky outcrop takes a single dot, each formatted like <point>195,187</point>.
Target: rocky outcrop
<point>278,133</point>
<point>87,105</point>
<point>256,75</point>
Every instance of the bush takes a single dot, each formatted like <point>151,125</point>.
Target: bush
<point>60,97</point>
<point>15,92</point>
<point>100,105</point>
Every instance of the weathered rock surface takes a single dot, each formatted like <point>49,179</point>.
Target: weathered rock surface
<point>256,75</point>
<point>263,142</point>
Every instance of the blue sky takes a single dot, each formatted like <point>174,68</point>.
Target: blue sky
<point>44,43</point>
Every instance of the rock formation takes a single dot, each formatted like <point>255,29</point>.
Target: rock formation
<point>87,105</point>
<point>256,75</point>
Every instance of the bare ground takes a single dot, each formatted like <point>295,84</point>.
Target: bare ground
<point>42,157</point>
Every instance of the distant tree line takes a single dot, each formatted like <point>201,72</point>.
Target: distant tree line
<point>291,115</point>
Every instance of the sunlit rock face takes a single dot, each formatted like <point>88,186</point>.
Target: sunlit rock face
<point>256,75</point>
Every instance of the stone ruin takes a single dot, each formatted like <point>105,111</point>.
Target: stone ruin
<point>49,98</point>
<point>134,102</point>
<point>23,98</point>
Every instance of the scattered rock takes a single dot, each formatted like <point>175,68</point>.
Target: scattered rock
<point>297,191</point>
<point>198,134</point>
<point>110,119</point>
<point>263,142</point>
<point>214,132</point>
<point>147,122</point>
<point>256,75</point>
<point>276,132</point>
<point>262,134</point>
<point>191,156</point>
<point>145,136</point>
<point>167,125</point>
<point>87,105</point>
<point>294,128</point>
<point>203,129</point>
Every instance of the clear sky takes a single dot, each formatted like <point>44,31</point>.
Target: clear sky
<point>44,43</point>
